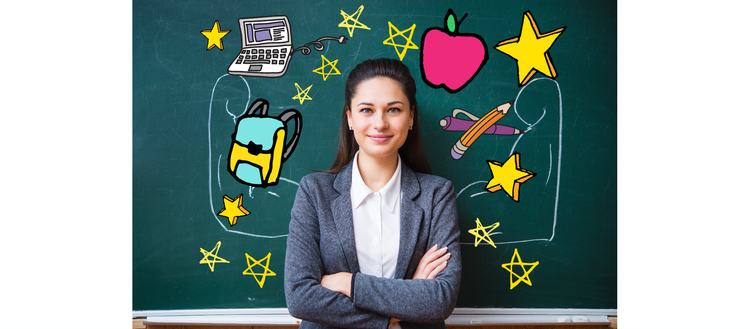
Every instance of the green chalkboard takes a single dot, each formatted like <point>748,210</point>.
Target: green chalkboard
<point>561,222</point>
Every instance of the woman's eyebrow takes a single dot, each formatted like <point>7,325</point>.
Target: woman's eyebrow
<point>389,104</point>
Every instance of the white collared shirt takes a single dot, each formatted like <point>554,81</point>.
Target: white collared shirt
<point>377,223</point>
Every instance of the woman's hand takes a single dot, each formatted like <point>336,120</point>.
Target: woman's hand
<point>340,282</point>
<point>433,262</point>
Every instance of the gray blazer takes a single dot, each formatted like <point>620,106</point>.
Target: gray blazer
<point>321,241</point>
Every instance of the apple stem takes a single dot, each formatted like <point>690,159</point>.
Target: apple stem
<point>462,19</point>
<point>450,21</point>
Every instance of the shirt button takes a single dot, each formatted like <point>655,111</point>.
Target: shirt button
<point>376,240</point>
<point>376,267</point>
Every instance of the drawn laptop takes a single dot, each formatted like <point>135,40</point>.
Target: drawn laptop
<point>266,47</point>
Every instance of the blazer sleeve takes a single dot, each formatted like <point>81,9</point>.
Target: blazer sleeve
<point>306,299</point>
<point>420,301</point>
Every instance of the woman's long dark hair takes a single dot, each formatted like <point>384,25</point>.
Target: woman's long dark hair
<point>412,152</point>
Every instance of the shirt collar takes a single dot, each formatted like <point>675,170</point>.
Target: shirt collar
<point>390,192</point>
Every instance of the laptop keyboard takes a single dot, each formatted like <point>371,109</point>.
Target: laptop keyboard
<point>273,56</point>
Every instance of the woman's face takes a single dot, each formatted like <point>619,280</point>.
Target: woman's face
<point>380,116</point>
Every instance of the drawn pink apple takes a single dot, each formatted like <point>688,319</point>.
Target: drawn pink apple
<point>450,59</point>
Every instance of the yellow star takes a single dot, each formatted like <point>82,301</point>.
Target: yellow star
<point>302,94</point>
<point>409,44</point>
<point>508,176</point>
<point>357,24</point>
<point>266,273</point>
<point>485,236</point>
<point>525,276</point>
<point>214,36</point>
<point>531,50</point>
<point>321,70</point>
<point>214,252</point>
<point>233,209</point>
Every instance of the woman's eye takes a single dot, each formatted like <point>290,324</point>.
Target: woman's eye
<point>365,110</point>
<point>394,109</point>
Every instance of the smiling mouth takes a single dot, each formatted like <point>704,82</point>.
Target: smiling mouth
<point>379,138</point>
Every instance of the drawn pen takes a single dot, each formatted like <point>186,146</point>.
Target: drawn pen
<point>456,124</point>
<point>478,128</point>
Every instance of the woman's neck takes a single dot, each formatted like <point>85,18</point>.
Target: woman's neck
<point>376,172</point>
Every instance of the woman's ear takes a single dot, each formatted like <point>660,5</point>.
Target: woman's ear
<point>348,116</point>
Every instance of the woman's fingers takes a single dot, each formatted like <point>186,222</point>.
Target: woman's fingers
<point>437,270</point>
<point>436,266</point>
<point>428,257</point>
<point>432,255</point>
<point>431,262</point>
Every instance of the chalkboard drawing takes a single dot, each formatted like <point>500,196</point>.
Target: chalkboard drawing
<point>404,47</point>
<point>478,128</point>
<point>355,21</point>
<point>516,260</point>
<point>454,123</point>
<point>266,270</point>
<point>233,209</point>
<point>322,70</point>
<point>267,47</point>
<point>485,236</point>
<point>258,148</point>
<point>531,50</point>
<point>450,59</point>
<point>302,94</point>
<point>214,36</point>
<point>230,98</point>
<point>509,176</point>
<point>213,253</point>
<point>538,112</point>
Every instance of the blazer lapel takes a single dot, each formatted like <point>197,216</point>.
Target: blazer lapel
<point>411,219</point>
<point>341,208</point>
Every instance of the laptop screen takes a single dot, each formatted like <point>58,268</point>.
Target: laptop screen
<point>265,31</point>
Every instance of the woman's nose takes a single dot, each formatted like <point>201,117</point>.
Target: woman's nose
<point>381,122</point>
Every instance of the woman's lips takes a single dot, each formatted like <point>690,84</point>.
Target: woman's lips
<point>379,138</point>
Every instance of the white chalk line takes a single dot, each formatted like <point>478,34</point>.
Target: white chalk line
<point>218,177</point>
<point>527,129</point>
<point>507,242</point>
<point>479,193</point>
<point>559,161</point>
<point>549,172</point>
<point>289,180</point>
<point>467,186</point>
<point>226,108</point>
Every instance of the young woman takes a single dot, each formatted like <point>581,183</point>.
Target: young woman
<point>373,241</point>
